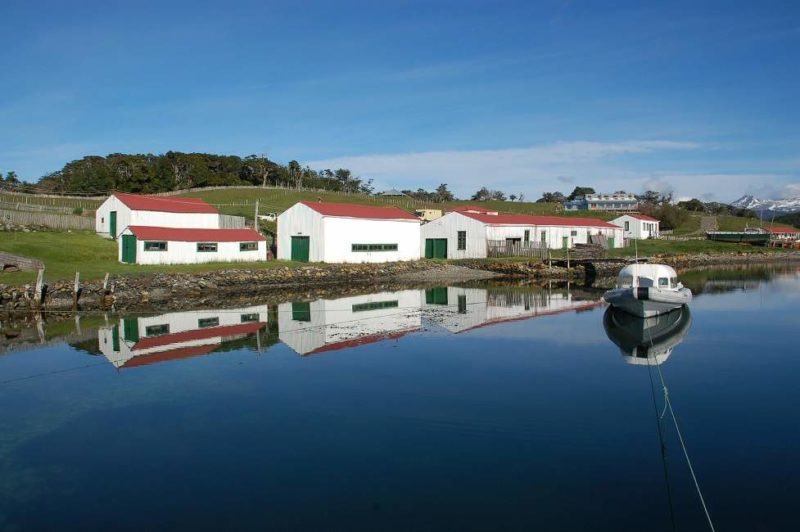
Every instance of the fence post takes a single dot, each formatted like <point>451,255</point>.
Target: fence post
<point>37,291</point>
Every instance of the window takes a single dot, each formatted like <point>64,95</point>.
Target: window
<point>155,246</point>
<point>462,304</point>
<point>462,240</point>
<point>627,226</point>
<point>301,311</point>
<point>156,330</point>
<point>375,305</point>
<point>248,246</point>
<point>626,281</point>
<point>573,233</point>
<point>207,247</point>
<point>673,282</point>
<point>663,282</point>
<point>527,236</point>
<point>544,237</point>
<point>202,323</point>
<point>249,318</point>
<point>374,247</point>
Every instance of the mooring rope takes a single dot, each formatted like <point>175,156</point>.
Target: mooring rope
<point>668,404</point>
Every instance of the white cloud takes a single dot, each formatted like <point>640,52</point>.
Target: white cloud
<point>529,170</point>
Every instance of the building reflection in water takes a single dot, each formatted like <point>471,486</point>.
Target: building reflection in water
<point>647,340</point>
<point>323,325</point>
<point>138,341</point>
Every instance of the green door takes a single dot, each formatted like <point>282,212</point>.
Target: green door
<point>564,242</point>
<point>436,296</point>
<point>611,242</point>
<point>115,339</point>
<point>129,249</point>
<point>435,248</point>
<point>300,245</point>
<point>130,329</point>
<point>112,221</point>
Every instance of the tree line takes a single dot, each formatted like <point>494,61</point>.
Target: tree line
<point>149,173</point>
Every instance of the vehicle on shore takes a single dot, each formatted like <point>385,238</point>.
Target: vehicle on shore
<point>646,290</point>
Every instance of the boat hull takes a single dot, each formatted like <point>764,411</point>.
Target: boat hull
<point>739,237</point>
<point>647,301</point>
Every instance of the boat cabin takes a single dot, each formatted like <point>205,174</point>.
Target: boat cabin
<point>648,275</point>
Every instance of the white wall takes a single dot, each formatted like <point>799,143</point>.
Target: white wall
<point>126,217</point>
<point>102,218</point>
<point>299,220</point>
<point>331,238</point>
<point>186,253</point>
<point>334,321</point>
<point>448,227</point>
<point>637,228</point>
<point>342,233</point>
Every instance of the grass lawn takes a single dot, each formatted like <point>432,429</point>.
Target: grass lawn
<point>65,253</point>
<point>680,247</point>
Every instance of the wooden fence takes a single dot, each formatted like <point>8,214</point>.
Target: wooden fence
<point>54,221</point>
<point>227,221</point>
<point>513,248</point>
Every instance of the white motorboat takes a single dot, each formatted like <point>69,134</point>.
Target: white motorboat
<point>647,290</point>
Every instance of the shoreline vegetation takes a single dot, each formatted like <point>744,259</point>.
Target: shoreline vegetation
<point>183,286</point>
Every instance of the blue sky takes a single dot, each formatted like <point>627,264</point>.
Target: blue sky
<point>699,98</point>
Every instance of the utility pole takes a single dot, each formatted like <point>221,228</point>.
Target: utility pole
<point>255,219</point>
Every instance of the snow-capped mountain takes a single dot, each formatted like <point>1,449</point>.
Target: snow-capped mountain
<point>779,206</point>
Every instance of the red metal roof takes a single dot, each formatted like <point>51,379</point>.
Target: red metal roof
<point>194,235</point>
<point>783,229</point>
<point>198,334</point>
<point>139,202</point>
<point>172,354</point>
<point>643,217</point>
<point>528,219</point>
<point>350,210</point>
<point>362,340</point>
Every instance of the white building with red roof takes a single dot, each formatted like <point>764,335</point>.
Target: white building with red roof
<point>140,341</point>
<point>122,209</point>
<point>640,226</point>
<point>465,233</point>
<point>312,327</point>
<point>784,232</point>
<point>169,245</point>
<point>315,231</point>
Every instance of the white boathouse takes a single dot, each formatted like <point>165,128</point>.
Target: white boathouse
<point>342,232</point>
<point>168,245</point>
<point>466,232</point>
<point>121,210</point>
<point>639,226</point>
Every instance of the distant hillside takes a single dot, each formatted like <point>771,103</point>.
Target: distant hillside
<point>789,219</point>
<point>148,173</point>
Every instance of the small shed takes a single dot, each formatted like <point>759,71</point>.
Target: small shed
<point>121,210</point>
<point>344,232</point>
<point>168,245</point>
<point>468,232</point>
<point>639,226</point>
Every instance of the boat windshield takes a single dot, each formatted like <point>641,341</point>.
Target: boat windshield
<point>663,282</point>
<point>673,282</point>
<point>626,281</point>
<point>644,281</point>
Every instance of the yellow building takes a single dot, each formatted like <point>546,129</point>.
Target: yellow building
<point>427,215</point>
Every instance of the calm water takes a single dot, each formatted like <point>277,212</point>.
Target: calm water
<point>482,408</point>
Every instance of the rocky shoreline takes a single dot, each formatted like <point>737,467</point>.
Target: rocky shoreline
<point>226,287</point>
